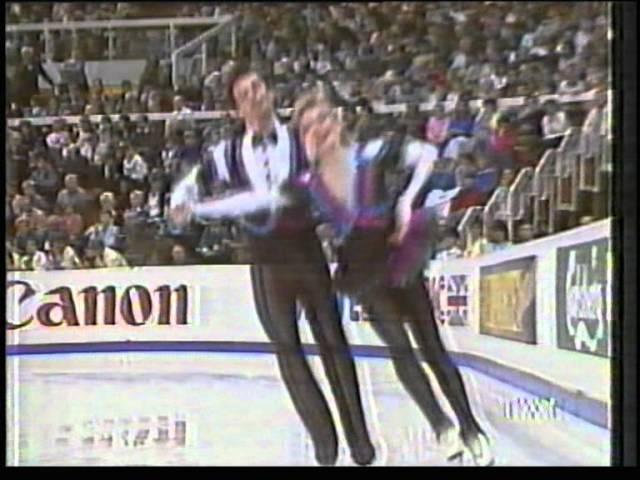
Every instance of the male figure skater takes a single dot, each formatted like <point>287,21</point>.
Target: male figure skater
<point>288,264</point>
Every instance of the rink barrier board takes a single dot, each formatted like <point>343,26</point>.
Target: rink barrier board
<point>570,400</point>
<point>214,324</point>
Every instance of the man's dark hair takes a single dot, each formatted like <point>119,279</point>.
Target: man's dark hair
<point>239,70</point>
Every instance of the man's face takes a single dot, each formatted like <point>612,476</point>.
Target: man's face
<point>252,97</point>
<point>178,254</point>
<point>71,182</point>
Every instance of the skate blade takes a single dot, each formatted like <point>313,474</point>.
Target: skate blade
<point>481,453</point>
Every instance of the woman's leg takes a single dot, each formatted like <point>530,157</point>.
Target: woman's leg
<point>389,326</point>
<point>425,331</point>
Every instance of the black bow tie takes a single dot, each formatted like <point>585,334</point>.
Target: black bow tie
<point>258,140</point>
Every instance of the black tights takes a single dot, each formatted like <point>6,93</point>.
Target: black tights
<point>392,307</point>
<point>276,289</point>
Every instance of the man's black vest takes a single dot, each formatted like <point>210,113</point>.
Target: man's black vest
<point>296,217</point>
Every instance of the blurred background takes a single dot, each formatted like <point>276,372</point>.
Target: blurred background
<point>108,103</point>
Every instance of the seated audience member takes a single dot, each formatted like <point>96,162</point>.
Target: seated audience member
<point>437,127</point>
<point>442,178</point>
<point>45,177</point>
<point>483,123</point>
<point>59,255</point>
<point>487,175</point>
<point>449,248</point>
<point>36,200</point>
<point>106,231</point>
<point>179,255</point>
<point>475,240</point>
<point>498,237</point>
<point>554,124</point>
<point>156,198</point>
<point>32,257</point>
<point>23,233</point>
<point>502,142</point>
<point>73,195</point>
<point>134,168</point>
<point>73,223</point>
<point>97,255</point>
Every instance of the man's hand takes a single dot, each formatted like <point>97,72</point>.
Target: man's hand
<point>180,214</point>
<point>403,218</point>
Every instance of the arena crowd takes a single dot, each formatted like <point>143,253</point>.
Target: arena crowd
<point>89,195</point>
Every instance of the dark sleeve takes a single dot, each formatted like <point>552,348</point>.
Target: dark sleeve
<point>43,73</point>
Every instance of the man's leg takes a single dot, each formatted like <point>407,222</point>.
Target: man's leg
<point>276,305</point>
<point>325,323</point>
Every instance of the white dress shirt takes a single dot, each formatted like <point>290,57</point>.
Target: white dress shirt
<point>267,166</point>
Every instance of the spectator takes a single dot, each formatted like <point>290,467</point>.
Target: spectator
<point>134,168</point>
<point>36,200</point>
<point>179,256</point>
<point>442,178</point>
<point>33,256</point>
<point>475,240</point>
<point>106,231</point>
<point>73,195</point>
<point>437,127</point>
<point>23,233</point>
<point>448,247</point>
<point>45,177</point>
<point>155,201</point>
<point>484,119</point>
<point>487,175</point>
<point>97,255</point>
<point>554,124</point>
<point>73,223</point>
<point>59,255</point>
<point>459,133</point>
<point>498,237</point>
<point>136,214</point>
<point>502,142</point>
<point>26,76</point>
<point>138,232</point>
<point>72,73</point>
<point>59,137</point>
<point>572,83</point>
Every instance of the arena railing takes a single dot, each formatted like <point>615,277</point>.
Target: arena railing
<point>567,171</point>
<point>544,193</point>
<point>520,199</point>
<point>379,108</point>
<point>470,215</point>
<point>111,26</point>
<point>495,209</point>
<point>201,42</point>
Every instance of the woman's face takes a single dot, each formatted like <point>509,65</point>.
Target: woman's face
<point>320,130</point>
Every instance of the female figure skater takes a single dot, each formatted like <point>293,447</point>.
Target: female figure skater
<point>368,192</point>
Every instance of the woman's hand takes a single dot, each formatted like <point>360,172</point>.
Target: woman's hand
<point>403,218</point>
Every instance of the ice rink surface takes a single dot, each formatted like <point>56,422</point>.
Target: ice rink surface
<point>232,409</point>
